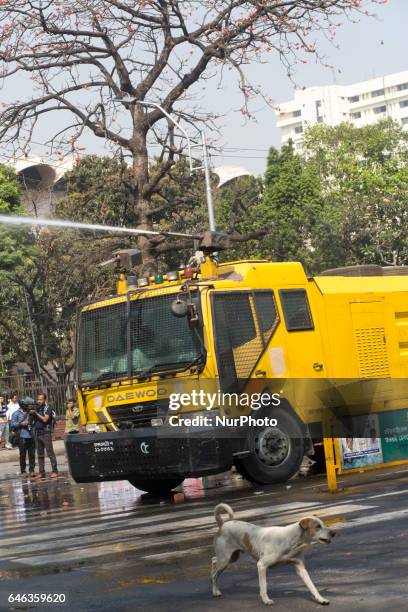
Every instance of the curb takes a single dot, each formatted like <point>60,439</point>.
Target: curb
<point>11,456</point>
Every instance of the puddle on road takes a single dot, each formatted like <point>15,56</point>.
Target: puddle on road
<point>20,500</point>
<point>65,503</point>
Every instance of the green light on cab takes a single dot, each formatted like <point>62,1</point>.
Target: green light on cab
<point>158,279</point>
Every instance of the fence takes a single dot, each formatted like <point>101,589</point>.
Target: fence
<point>57,394</point>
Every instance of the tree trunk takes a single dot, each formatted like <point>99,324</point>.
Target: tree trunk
<point>149,266</point>
<point>141,178</point>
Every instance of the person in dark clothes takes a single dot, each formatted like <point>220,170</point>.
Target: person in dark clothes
<point>43,422</point>
<point>20,421</point>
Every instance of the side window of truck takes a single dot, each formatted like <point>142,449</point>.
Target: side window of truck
<point>233,317</point>
<point>267,313</point>
<point>296,309</point>
<point>238,344</point>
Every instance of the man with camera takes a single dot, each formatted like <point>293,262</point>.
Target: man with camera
<point>21,430</point>
<point>43,423</point>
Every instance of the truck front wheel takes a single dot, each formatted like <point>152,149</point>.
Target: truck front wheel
<point>277,452</point>
<point>159,486</point>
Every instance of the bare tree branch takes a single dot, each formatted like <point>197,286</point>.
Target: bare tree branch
<point>80,55</point>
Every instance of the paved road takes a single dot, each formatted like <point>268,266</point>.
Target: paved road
<point>107,547</point>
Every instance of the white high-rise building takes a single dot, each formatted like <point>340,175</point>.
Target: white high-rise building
<point>361,103</point>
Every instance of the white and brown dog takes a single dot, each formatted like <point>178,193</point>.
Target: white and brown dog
<point>268,545</point>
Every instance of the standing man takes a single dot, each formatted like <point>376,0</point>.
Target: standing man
<point>3,417</point>
<point>20,420</point>
<point>72,417</point>
<point>12,407</point>
<point>43,436</point>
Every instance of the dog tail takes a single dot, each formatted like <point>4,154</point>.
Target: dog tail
<point>219,509</point>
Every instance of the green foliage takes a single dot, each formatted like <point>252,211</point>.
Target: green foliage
<point>290,206</point>
<point>236,204</point>
<point>364,185</point>
<point>343,202</point>
<point>180,200</point>
<point>13,240</point>
<point>9,190</point>
<point>99,190</point>
<point>16,250</point>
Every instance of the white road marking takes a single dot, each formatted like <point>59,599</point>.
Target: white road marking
<point>98,545</point>
<point>148,525</point>
<point>76,534</point>
<point>376,518</point>
<point>388,494</point>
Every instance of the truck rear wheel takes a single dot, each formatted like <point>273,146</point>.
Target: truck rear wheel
<point>277,451</point>
<point>159,486</point>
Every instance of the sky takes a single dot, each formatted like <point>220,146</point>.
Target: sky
<point>366,49</point>
<point>360,57</point>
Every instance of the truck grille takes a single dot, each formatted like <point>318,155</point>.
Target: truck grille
<point>132,416</point>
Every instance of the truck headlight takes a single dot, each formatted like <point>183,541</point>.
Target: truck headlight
<point>93,428</point>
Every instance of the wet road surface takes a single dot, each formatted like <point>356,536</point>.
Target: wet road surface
<point>109,547</point>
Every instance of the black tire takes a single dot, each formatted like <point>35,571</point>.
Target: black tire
<point>159,486</point>
<point>277,451</point>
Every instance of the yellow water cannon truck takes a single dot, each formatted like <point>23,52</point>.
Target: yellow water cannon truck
<point>156,360</point>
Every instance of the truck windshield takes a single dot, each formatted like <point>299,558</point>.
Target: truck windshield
<point>136,337</point>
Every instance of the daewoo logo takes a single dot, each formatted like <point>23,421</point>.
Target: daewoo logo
<point>135,395</point>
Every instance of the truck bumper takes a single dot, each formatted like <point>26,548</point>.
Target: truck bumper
<point>146,453</point>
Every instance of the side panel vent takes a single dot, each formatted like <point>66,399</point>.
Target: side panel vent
<point>372,352</point>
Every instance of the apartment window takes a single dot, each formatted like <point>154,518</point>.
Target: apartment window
<point>296,113</point>
<point>356,115</point>
<point>404,121</point>
<point>377,93</point>
<point>379,109</point>
<point>403,103</point>
<point>318,103</point>
<point>320,119</point>
<point>298,129</point>
<point>354,99</point>
<point>402,86</point>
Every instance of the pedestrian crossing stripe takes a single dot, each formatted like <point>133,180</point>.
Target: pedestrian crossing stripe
<point>103,543</point>
<point>73,535</point>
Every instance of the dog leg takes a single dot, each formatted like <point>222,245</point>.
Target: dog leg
<point>263,592</point>
<point>217,568</point>
<point>304,575</point>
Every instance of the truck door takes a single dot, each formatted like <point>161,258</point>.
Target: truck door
<point>306,368</point>
<point>237,339</point>
<point>304,353</point>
